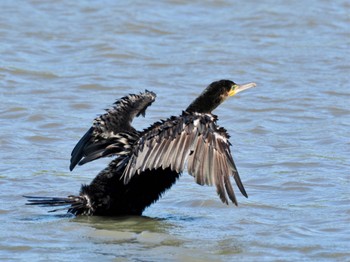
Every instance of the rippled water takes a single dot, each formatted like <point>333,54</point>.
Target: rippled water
<point>63,62</point>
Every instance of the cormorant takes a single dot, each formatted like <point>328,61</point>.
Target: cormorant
<point>149,162</point>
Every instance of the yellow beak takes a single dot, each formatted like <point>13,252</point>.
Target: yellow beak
<point>238,88</point>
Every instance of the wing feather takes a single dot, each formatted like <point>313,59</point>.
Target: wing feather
<point>193,138</point>
<point>179,153</point>
<point>104,137</point>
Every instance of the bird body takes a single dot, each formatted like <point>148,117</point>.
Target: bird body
<point>146,163</point>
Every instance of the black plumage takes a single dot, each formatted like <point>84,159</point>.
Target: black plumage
<point>149,162</point>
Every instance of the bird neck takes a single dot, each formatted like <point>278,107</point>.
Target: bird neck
<point>201,104</point>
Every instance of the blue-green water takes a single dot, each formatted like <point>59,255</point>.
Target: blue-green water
<point>63,62</point>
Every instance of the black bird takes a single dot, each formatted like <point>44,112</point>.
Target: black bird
<point>149,162</point>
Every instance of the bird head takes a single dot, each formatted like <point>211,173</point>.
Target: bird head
<point>216,93</point>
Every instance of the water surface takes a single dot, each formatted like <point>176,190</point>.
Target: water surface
<point>63,62</point>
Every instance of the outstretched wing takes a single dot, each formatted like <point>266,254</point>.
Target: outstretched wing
<point>191,137</point>
<point>112,132</point>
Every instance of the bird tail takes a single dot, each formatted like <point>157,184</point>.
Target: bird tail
<point>77,205</point>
